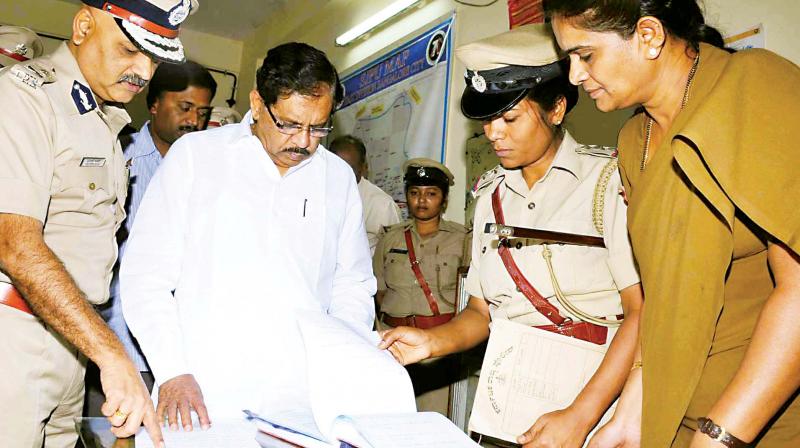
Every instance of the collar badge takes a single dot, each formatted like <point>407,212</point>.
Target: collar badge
<point>83,98</point>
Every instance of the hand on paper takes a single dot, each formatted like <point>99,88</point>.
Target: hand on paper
<point>127,404</point>
<point>181,395</point>
<point>407,344</point>
<point>565,428</point>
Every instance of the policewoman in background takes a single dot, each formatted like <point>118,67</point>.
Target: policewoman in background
<point>517,86</point>
<point>416,264</point>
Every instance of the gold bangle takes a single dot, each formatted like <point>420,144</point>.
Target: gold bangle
<point>636,365</point>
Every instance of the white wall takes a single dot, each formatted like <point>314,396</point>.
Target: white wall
<point>781,19</point>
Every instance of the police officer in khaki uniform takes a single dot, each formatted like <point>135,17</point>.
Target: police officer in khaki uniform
<point>416,261</point>
<point>64,183</point>
<point>18,44</point>
<point>416,264</point>
<point>517,85</point>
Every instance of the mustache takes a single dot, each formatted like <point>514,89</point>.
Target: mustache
<point>187,128</point>
<point>133,79</point>
<point>301,151</point>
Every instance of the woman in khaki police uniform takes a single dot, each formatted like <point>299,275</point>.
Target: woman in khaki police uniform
<point>519,88</point>
<point>416,261</point>
<point>710,165</point>
<point>416,264</point>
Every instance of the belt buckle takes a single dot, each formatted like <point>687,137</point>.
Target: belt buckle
<point>567,321</point>
<point>412,320</point>
<point>563,327</point>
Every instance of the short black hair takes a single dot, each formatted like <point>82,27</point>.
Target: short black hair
<point>349,141</point>
<point>547,94</point>
<point>177,78</point>
<point>296,67</point>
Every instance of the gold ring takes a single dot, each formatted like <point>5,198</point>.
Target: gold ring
<point>120,414</point>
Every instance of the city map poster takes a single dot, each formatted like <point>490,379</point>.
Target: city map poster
<point>398,106</point>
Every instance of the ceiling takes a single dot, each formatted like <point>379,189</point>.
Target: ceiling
<point>234,19</point>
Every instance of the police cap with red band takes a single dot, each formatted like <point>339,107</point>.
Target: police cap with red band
<point>18,44</point>
<point>152,25</point>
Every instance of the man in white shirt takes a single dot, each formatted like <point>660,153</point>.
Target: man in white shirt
<point>379,208</point>
<point>249,224</point>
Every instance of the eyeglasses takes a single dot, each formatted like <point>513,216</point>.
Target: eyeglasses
<point>294,129</point>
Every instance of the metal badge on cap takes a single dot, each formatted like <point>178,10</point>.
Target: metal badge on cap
<point>478,83</point>
<point>180,12</point>
<point>421,171</point>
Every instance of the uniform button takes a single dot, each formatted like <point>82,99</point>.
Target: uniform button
<point>92,186</point>
<point>519,246</point>
<point>421,246</point>
<point>483,251</point>
<point>531,206</point>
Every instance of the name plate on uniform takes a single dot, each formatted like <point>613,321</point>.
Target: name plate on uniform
<point>93,162</point>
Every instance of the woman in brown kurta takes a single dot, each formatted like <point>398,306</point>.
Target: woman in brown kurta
<point>710,168</point>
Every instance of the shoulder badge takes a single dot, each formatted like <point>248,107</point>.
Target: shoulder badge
<point>32,74</point>
<point>486,180</point>
<point>597,150</point>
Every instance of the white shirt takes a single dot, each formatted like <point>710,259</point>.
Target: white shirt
<point>243,248</point>
<point>379,210</point>
<point>563,201</point>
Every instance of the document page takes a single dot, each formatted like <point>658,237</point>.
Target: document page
<point>348,374</point>
<point>528,372</point>
<point>235,433</point>
<point>297,426</point>
<point>419,430</point>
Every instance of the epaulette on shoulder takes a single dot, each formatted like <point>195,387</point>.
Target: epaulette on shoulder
<point>486,180</point>
<point>394,227</point>
<point>608,152</point>
<point>33,74</point>
<point>456,227</point>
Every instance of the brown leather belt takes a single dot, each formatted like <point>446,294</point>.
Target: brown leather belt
<point>585,331</point>
<point>422,322</point>
<point>580,330</point>
<point>9,296</point>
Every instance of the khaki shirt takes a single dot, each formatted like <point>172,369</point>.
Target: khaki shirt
<point>563,201</point>
<point>439,258</point>
<point>722,184</point>
<point>61,163</point>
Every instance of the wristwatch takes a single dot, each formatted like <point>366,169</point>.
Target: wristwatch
<point>719,434</point>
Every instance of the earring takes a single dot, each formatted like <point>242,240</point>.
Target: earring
<point>653,52</point>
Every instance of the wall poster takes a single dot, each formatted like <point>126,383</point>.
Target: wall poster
<point>398,106</point>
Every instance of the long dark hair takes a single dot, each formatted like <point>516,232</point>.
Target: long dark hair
<point>681,18</point>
